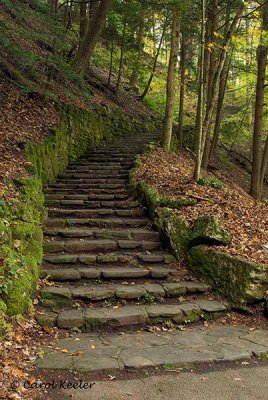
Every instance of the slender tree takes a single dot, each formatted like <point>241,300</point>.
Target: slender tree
<point>259,161</point>
<point>170,89</point>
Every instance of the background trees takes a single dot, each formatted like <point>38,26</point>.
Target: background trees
<point>201,64</point>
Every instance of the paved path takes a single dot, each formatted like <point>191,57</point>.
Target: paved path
<point>239,384</point>
<point>89,352</point>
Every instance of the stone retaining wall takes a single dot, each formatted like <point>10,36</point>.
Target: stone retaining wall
<point>234,278</point>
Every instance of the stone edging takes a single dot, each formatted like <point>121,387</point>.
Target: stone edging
<point>235,278</point>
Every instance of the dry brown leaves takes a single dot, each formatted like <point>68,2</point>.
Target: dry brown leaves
<point>18,351</point>
<point>244,217</point>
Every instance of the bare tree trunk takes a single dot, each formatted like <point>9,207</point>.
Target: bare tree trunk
<point>201,97</point>
<point>221,95</point>
<point>213,96</point>
<point>264,165</point>
<point>170,90</point>
<point>83,19</point>
<point>53,5</point>
<point>111,63</point>
<point>184,60</point>
<point>122,51</point>
<point>147,87</point>
<point>262,52</point>
<point>92,36</point>
<point>134,75</point>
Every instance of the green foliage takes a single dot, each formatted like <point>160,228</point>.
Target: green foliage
<point>211,181</point>
<point>149,298</point>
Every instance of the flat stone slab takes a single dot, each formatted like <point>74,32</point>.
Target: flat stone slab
<point>211,305</point>
<point>91,352</point>
<point>121,272</point>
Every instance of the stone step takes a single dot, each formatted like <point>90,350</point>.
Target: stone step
<point>125,234</point>
<point>92,174</point>
<point>103,164</point>
<point>61,274</point>
<point>122,257</point>
<point>97,171</point>
<point>94,196</point>
<point>90,318</point>
<point>97,222</point>
<point>70,187</point>
<point>62,190</point>
<point>93,204</point>
<point>90,181</point>
<point>99,245</point>
<point>173,350</point>
<point>99,212</point>
<point>95,292</point>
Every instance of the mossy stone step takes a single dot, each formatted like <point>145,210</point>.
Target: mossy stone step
<point>103,245</point>
<point>96,292</point>
<point>111,180</point>
<point>92,175</point>
<point>97,197</point>
<point>103,233</point>
<point>118,204</point>
<point>136,212</point>
<point>75,186</point>
<point>91,191</point>
<point>97,222</point>
<point>92,318</point>
<point>116,272</point>
<point>120,257</point>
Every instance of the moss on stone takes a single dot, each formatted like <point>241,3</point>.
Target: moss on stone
<point>175,231</point>
<point>177,202</point>
<point>235,278</point>
<point>19,294</point>
<point>209,229</point>
<point>149,197</point>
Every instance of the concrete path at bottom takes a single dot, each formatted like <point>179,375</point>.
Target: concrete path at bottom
<point>92,352</point>
<point>237,384</point>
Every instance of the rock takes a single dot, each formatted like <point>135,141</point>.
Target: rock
<point>154,289</point>
<point>70,319</point>
<point>128,315</point>
<point>89,273</point>
<point>177,202</point>
<point>129,292</point>
<point>48,319</point>
<point>209,230</point>
<point>55,292</point>
<point>175,231</point>
<point>174,289</point>
<point>61,274</point>
<point>210,305</point>
<point>124,272</point>
<point>159,310</point>
<point>93,293</point>
<point>235,278</point>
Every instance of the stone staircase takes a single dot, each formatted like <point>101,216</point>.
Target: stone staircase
<point>104,266</point>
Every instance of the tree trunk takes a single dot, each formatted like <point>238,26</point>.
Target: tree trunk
<point>262,51</point>
<point>201,97</point>
<point>147,87</point>
<point>111,63</point>
<point>134,75</point>
<point>213,95</point>
<point>53,5</point>
<point>122,51</point>
<point>184,60</point>
<point>264,165</point>
<point>83,19</point>
<point>92,36</point>
<point>170,90</point>
<point>221,95</point>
